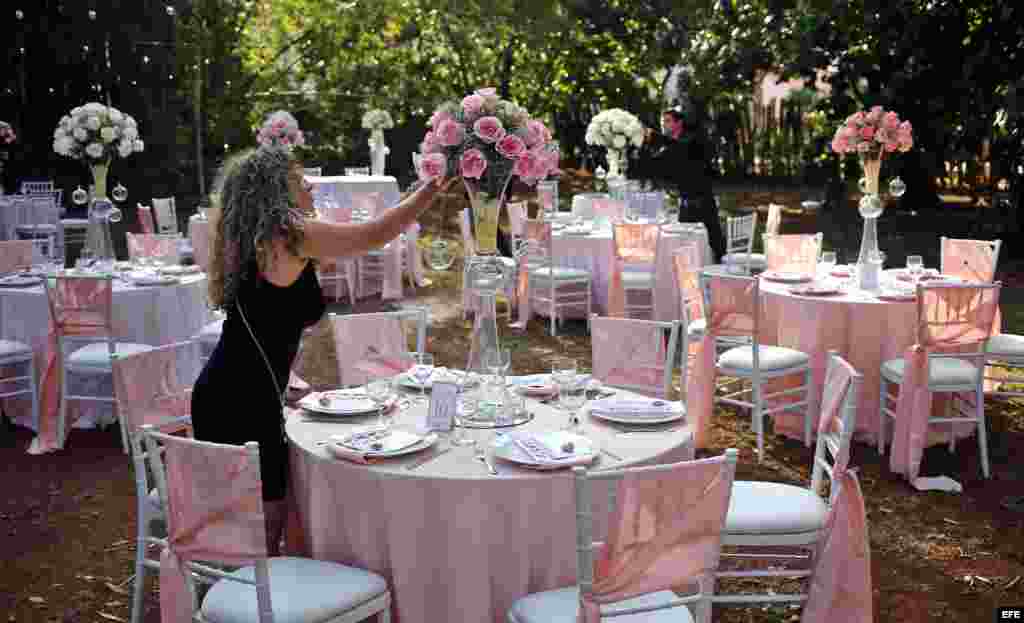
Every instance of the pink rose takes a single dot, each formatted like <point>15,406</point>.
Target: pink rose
<point>892,120</point>
<point>867,132</point>
<point>489,129</point>
<point>849,134</point>
<point>876,114</point>
<point>473,163</point>
<point>905,127</point>
<point>433,166</point>
<point>542,166</point>
<point>511,146</point>
<point>552,160</point>
<point>526,165</point>
<point>471,104</point>
<point>450,133</point>
<point>437,118</point>
<point>535,132</point>
<point>863,147</point>
<point>882,135</point>
<point>839,145</point>
<point>486,92</point>
<point>891,147</point>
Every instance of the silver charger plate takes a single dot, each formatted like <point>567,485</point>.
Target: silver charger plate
<point>517,420</point>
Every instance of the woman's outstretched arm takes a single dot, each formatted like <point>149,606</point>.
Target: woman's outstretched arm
<point>328,240</point>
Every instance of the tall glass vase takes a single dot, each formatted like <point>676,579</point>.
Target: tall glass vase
<point>617,163</point>
<point>98,237</point>
<point>486,273</point>
<point>870,208</point>
<point>378,153</point>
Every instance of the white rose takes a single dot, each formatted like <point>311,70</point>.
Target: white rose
<point>66,144</point>
<point>138,145</point>
<point>93,123</point>
<point>94,150</point>
<point>116,115</point>
<point>108,134</point>
<point>619,142</point>
<point>75,111</point>
<point>81,134</point>
<point>129,121</point>
<point>124,150</point>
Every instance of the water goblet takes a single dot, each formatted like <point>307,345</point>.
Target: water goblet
<point>466,406</point>
<point>421,372</point>
<point>828,262</point>
<point>572,395</point>
<point>379,391</point>
<point>915,267</point>
<point>498,361</point>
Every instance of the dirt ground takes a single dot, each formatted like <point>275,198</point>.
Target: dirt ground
<point>67,520</point>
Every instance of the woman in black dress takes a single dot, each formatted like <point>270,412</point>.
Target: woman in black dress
<point>261,276</point>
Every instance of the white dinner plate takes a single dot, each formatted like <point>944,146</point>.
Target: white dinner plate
<point>20,281</point>
<point>341,402</point>
<point>584,452</point>
<point>677,228</point>
<point>785,277</point>
<point>191,269</point>
<point>404,443</point>
<point>815,289</point>
<point>407,381</point>
<point>678,413</point>
<point>152,280</point>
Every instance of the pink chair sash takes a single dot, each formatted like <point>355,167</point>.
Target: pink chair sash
<point>414,257</point>
<point>837,383</point>
<point>841,580</point>
<point>81,307</point>
<point>372,202</point>
<point>665,531</point>
<point>15,254</point>
<point>369,346</point>
<point>146,223</point>
<point>215,513</point>
<point>686,263</point>
<point>149,388</point>
<point>199,233</point>
<point>792,253</point>
<point>971,260</point>
<point>537,235</point>
<point>628,352</point>
<point>636,244</point>
<point>546,196</point>
<point>516,217</point>
<point>949,318</point>
<point>733,312</point>
<point>774,219</point>
<point>152,245</point>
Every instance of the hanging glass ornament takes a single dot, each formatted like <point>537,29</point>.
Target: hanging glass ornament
<point>119,194</point>
<point>897,187</point>
<point>79,197</point>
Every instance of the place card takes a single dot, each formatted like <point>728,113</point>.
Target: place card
<point>441,416</point>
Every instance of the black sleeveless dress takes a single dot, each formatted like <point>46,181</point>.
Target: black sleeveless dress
<point>234,400</point>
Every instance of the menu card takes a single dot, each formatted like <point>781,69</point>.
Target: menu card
<point>443,397</point>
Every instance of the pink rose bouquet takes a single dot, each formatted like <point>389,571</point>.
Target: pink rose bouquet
<point>874,131</point>
<point>281,128</point>
<point>487,140</point>
<point>7,134</point>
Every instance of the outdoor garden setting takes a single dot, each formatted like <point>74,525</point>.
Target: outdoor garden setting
<point>538,310</point>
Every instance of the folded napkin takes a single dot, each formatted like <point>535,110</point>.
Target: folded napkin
<point>546,447</point>
<point>365,445</point>
<point>841,271</point>
<point>636,407</point>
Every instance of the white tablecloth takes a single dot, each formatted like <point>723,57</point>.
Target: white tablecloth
<point>596,251</point>
<point>340,187</point>
<point>455,543</point>
<point>152,315</point>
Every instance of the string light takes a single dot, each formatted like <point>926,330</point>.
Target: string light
<point>19,14</point>
<point>145,59</point>
<point>171,11</point>
<point>92,15</point>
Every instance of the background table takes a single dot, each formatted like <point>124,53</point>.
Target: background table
<point>341,187</point>
<point>596,252</point>
<point>864,329</point>
<point>455,543</point>
<point>152,315</point>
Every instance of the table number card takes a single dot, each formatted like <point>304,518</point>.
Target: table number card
<point>441,416</point>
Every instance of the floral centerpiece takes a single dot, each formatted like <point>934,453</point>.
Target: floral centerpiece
<point>615,130</point>
<point>872,135</point>
<point>96,134</point>
<point>487,141</point>
<point>282,129</point>
<point>376,121</point>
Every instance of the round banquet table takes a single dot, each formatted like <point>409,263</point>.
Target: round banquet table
<point>865,330</point>
<point>154,315</point>
<point>454,542</point>
<point>595,252</point>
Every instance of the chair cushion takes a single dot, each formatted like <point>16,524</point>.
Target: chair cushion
<point>301,591</point>
<point>697,328</point>
<point>771,358</point>
<point>561,606</point>
<point>39,228</point>
<point>75,223</point>
<point>1007,345</point>
<point>561,272</point>
<point>773,508</point>
<point>637,279</point>
<point>941,371</point>
<point>10,348</point>
<point>757,260</point>
<point>95,356</point>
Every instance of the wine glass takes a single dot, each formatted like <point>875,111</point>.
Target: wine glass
<point>468,401</point>
<point>440,257</point>
<point>498,361</point>
<point>572,394</point>
<point>828,262</point>
<point>915,267</point>
<point>422,372</point>
<point>379,391</point>
<point>563,372</point>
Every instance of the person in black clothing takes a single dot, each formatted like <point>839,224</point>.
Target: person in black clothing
<point>262,275</point>
<point>680,157</point>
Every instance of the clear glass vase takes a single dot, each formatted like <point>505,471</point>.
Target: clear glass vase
<point>870,208</point>
<point>378,153</point>
<point>102,212</point>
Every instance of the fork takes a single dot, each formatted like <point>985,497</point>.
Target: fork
<point>481,455</point>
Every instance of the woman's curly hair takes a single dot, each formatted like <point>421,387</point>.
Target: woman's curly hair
<point>256,206</point>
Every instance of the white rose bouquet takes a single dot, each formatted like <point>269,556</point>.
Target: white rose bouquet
<point>96,133</point>
<point>615,129</point>
<point>376,120</point>
<point>281,128</point>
